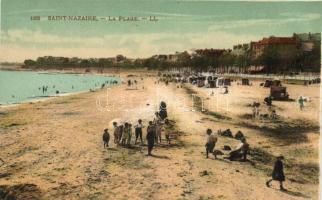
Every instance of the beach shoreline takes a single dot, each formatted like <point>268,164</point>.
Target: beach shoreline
<point>45,97</point>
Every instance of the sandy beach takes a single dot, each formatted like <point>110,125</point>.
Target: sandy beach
<point>56,145</point>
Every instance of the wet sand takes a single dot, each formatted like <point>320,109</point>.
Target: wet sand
<point>56,145</point>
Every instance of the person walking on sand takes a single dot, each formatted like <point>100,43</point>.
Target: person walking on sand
<point>301,103</point>
<point>116,133</point>
<point>150,137</point>
<point>211,142</point>
<point>106,137</point>
<point>138,131</point>
<point>278,173</point>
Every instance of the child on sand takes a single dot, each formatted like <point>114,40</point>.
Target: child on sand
<point>150,137</point>
<point>301,102</point>
<point>278,173</point>
<point>138,131</point>
<point>211,142</point>
<point>116,133</point>
<point>129,135</point>
<point>240,152</point>
<point>158,130</point>
<point>125,134</point>
<point>167,130</point>
<point>157,123</point>
<point>106,137</point>
<point>120,133</point>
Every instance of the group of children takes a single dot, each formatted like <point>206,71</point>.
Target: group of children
<point>123,133</point>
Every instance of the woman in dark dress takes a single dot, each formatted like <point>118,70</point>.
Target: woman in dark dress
<point>163,110</point>
<point>278,173</point>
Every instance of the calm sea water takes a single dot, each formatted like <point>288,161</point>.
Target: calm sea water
<point>21,86</point>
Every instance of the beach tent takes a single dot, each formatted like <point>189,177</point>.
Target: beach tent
<point>245,81</point>
<point>192,79</point>
<point>270,83</point>
<point>227,82</point>
<point>201,81</point>
<point>221,82</point>
<point>211,81</point>
<point>278,93</point>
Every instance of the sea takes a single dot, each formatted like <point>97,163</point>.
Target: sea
<point>24,86</point>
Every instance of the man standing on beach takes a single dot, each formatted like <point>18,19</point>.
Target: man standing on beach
<point>150,136</point>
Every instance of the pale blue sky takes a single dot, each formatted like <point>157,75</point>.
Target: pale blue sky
<point>182,25</point>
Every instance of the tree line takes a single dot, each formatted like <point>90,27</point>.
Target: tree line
<point>272,60</point>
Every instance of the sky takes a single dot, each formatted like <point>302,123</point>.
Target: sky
<point>182,25</point>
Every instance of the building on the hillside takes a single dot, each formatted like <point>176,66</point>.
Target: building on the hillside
<point>173,57</point>
<point>211,52</point>
<point>168,58</point>
<point>240,49</point>
<point>282,44</point>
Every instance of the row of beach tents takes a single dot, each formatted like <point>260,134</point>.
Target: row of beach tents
<point>277,91</point>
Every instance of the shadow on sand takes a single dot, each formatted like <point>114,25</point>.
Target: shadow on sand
<point>293,193</point>
<point>160,156</point>
<point>297,194</point>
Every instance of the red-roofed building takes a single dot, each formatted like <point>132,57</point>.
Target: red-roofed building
<point>282,44</point>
